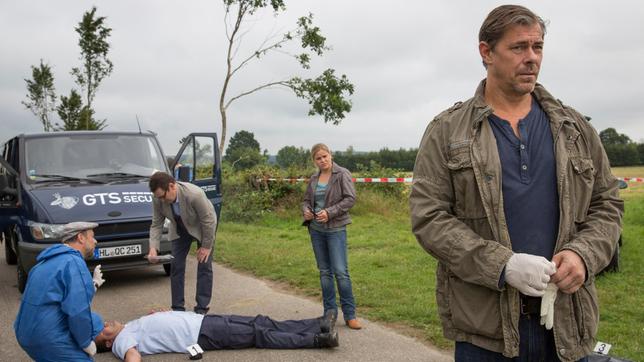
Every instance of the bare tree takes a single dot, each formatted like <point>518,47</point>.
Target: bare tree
<point>327,94</point>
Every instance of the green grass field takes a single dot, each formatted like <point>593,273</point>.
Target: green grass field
<point>394,279</point>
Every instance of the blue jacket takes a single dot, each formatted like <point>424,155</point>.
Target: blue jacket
<point>55,321</point>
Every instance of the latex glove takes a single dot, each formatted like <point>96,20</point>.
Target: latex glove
<point>548,305</point>
<point>98,277</point>
<point>90,349</point>
<point>528,273</point>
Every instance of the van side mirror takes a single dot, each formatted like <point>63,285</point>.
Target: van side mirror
<point>5,188</point>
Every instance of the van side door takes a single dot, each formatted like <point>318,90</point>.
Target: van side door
<point>198,161</point>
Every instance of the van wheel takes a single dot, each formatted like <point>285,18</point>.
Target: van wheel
<point>167,268</point>
<point>22,277</point>
<point>9,255</point>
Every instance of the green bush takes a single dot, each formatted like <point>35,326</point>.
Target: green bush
<point>374,169</point>
<point>249,194</point>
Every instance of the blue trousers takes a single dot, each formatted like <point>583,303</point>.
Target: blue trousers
<point>536,344</point>
<point>180,249</point>
<point>236,332</point>
<point>330,250</point>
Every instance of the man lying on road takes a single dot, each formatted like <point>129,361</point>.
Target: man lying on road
<point>175,331</point>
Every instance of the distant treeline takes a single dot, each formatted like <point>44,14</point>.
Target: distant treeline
<point>401,159</point>
<point>621,151</point>
<point>243,152</point>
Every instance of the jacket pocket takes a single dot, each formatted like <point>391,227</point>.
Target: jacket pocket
<point>586,311</point>
<point>467,198</point>
<point>474,308</point>
<point>581,185</point>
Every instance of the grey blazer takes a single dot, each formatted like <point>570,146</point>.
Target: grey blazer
<point>339,198</point>
<point>197,213</point>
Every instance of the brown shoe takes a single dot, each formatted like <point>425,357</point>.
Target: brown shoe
<point>353,324</point>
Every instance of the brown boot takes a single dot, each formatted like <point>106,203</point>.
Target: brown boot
<point>354,324</point>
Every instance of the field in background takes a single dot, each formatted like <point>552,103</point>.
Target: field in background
<point>394,278</point>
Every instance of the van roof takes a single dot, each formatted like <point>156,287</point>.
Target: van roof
<point>84,133</point>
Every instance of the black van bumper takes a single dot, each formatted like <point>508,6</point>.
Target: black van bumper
<point>27,252</point>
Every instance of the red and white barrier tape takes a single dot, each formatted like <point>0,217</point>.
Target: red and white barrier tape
<point>401,179</point>
<point>631,179</point>
<point>355,179</point>
<point>383,179</point>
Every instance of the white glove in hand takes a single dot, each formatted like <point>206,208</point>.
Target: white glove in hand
<point>90,349</point>
<point>530,274</point>
<point>548,305</point>
<point>98,277</point>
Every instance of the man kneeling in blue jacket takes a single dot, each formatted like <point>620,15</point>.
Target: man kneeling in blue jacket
<point>55,321</point>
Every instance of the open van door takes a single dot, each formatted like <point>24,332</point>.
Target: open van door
<point>198,161</point>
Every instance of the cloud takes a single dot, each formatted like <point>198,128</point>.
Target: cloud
<point>408,62</point>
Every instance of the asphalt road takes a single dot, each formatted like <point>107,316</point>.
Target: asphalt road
<point>130,294</point>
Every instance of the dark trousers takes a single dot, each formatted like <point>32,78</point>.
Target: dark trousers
<point>180,249</point>
<point>536,344</point>
<point>235,332</point>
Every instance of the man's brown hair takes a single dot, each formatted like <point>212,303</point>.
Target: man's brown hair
<point>161,180</point>
<point>504,17</point>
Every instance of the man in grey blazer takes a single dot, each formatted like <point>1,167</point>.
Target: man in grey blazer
<point>191,217</point>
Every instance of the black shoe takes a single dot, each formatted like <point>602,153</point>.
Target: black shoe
<point>326,340</point>
<point>203,311</point>
<point>327,321</point>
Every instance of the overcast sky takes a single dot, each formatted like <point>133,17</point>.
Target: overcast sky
<point>408,60</point>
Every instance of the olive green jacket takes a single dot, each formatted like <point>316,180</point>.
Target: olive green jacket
<point>457,216</point>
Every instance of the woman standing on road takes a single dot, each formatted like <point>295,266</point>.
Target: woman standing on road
<point>328,198</point>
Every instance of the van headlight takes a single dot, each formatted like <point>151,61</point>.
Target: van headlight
<point>43,232</point>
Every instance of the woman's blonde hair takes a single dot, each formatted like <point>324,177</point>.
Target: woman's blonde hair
<point>319,147</point>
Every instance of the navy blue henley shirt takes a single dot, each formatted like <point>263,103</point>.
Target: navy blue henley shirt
<point>530,197</point>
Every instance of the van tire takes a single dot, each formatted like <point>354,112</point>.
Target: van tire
<point>9,255</point>
<point>22,277</point>
<point>167,268</point>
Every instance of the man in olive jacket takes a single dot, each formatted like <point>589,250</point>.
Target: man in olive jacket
<point>514,196</point>
<point>192,217</point>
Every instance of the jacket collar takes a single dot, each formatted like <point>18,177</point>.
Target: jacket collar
<point>334,169</point>
<point>552,106</point>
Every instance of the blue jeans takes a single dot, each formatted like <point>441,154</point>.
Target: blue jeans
<point>536,344</point>
<point>331,256</point>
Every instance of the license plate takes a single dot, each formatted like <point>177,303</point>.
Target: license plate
<point>118,251</point>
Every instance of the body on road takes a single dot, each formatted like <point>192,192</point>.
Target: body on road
<point>171,331</point>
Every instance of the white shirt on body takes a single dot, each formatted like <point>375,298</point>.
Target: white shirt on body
<point>159,333</point>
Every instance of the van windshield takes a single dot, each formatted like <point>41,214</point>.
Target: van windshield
<point>87,156</point>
